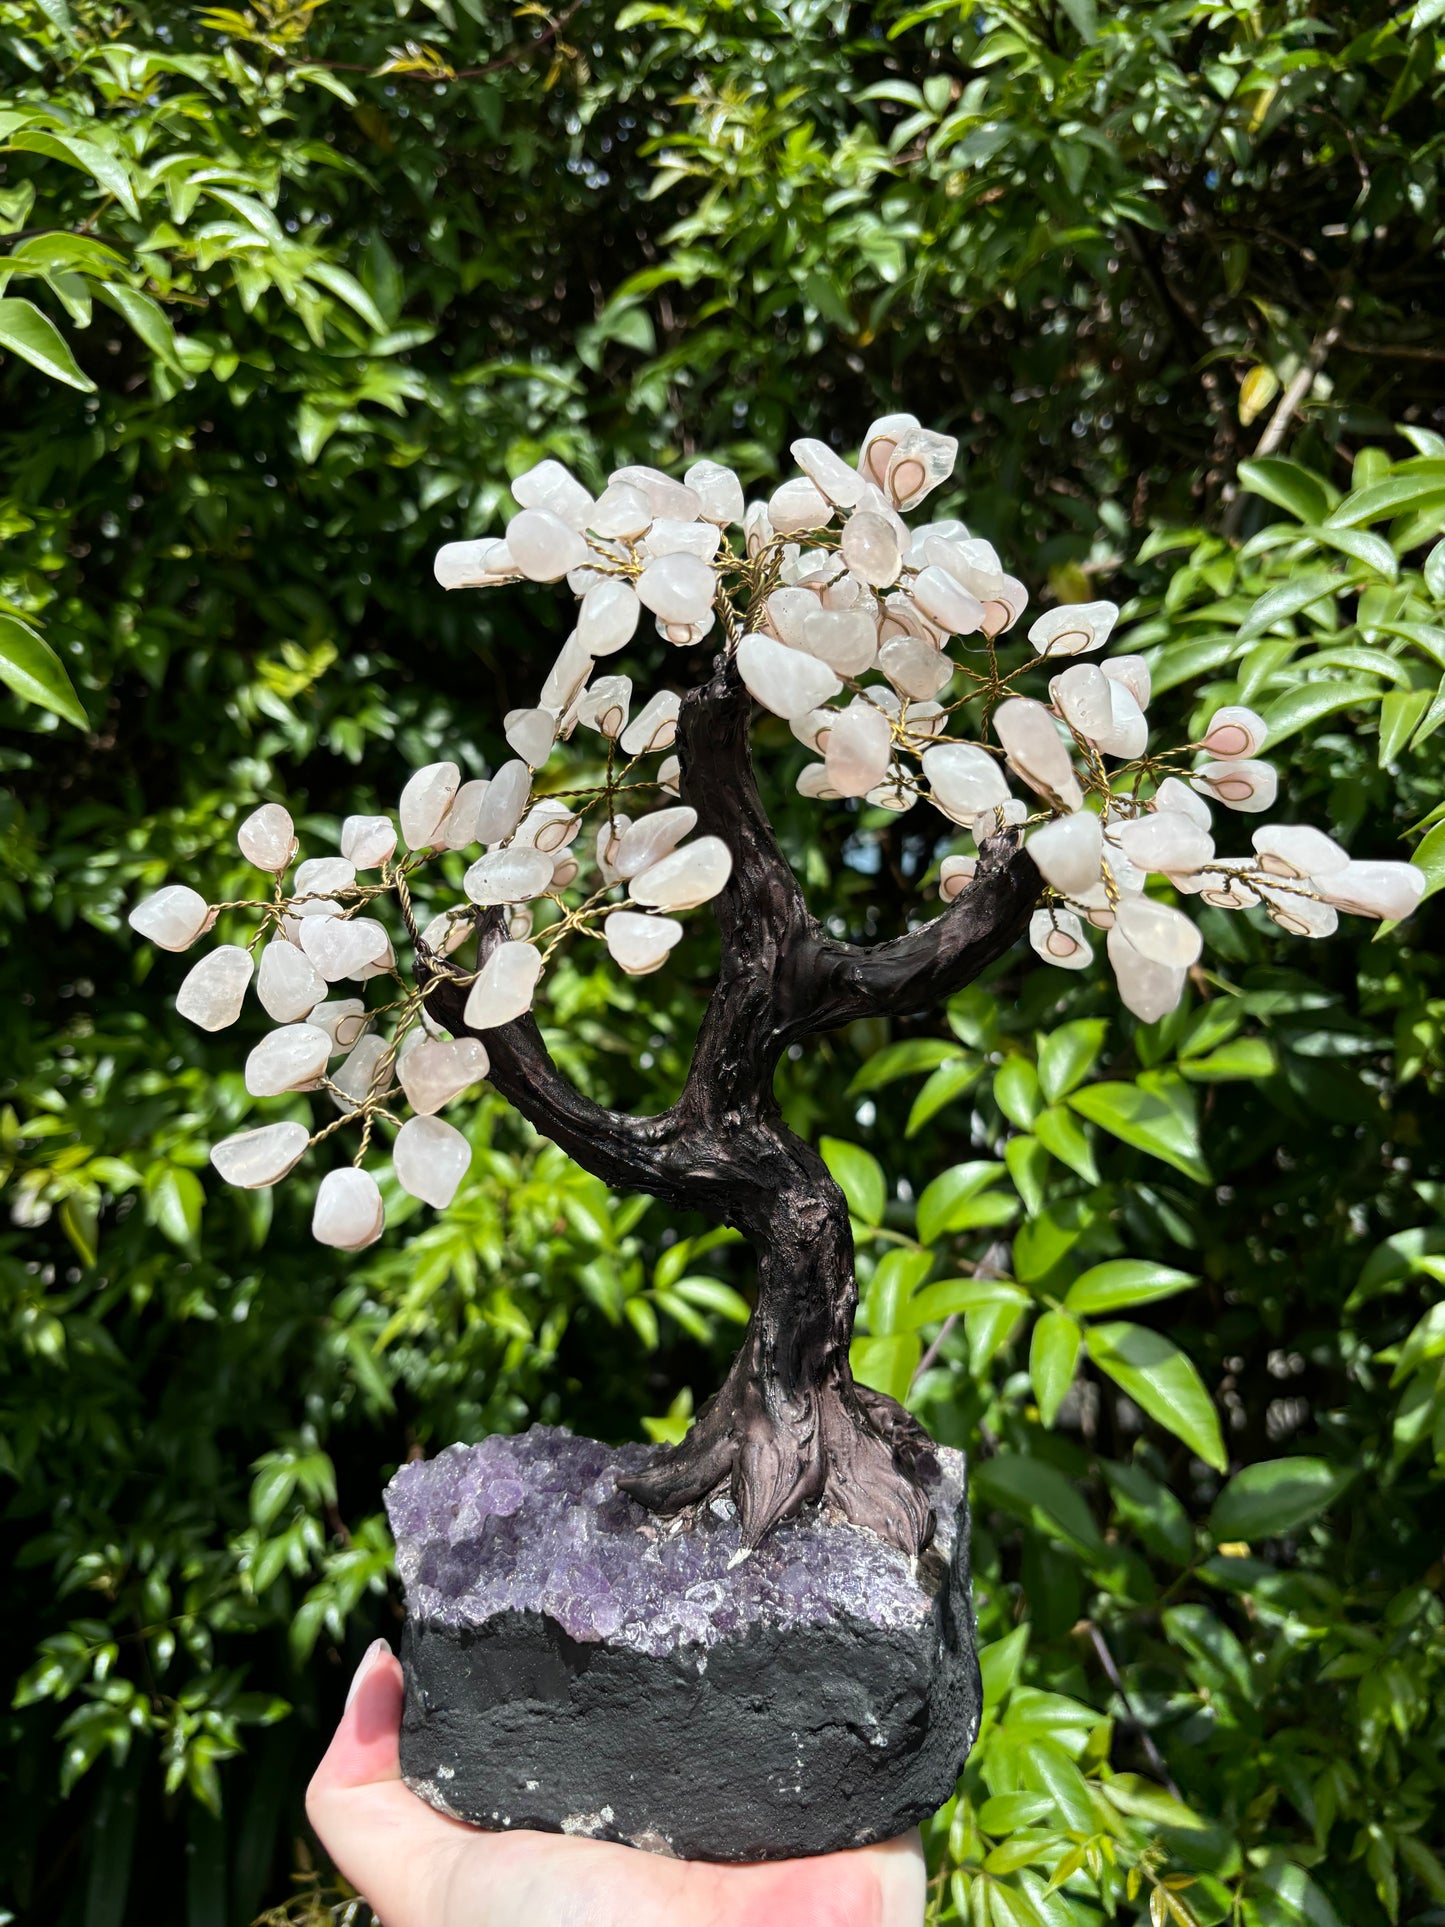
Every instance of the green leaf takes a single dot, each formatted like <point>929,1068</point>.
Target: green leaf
<point>859,1176</point>
<point>1288,600</point>
<point>1400,713</point>
<point>1028,1164</point>
<point>1162,1381</point>
<point>1053,1354</point>
<point>1391,497</point>
<point>1067,1055</point>
<point>888,1301</point>
<point>34,337</point>
<point>1000,1664</point>
<point>176,1202</point>
<point>1142,1800</point>
<point>1085,16</point>
<point>104,168</point>
<point>887,1364</point>
<point>1373,550</point>
<point>1310,703</point>
<point>949,1081</point>
<point>1061,1134</point>
<point>1151,1119</point>
<point>149,320</point>
<point>1038,1493</point>
<point>1289,485</point>
<point>1122,1282</point>
<point>1152,1511</point>
<point>1430,857</point>
<point>948,1192</point>
<point>1241,1058</point>
<point>32,669</point>
<point>1016,1091</point>
<point>1274,1496</point>
<point>907,1059</point>
<point>1434,572</point>
<point>951,1297</point>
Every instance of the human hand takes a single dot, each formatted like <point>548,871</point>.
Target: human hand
<point>419,1869</point>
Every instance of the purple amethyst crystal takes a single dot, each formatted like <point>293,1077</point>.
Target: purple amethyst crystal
<point>604,1568</point>
<point>576,1663</point>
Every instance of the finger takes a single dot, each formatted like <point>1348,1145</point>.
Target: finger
<point>879,1886</point>
<point>390,1845</point>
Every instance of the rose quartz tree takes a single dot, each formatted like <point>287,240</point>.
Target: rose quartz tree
<point>882,645</point>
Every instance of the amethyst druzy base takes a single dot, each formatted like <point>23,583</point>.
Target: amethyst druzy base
<point>575,1664</point>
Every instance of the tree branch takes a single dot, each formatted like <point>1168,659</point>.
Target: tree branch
<point>629,1153</point>
<point>918,971</point>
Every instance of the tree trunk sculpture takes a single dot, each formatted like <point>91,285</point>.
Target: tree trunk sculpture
<point>789,1425</point>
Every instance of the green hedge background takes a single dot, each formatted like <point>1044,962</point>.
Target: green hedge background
<point>288,296</point>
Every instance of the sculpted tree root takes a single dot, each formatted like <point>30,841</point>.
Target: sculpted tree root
<point>837,1444</point>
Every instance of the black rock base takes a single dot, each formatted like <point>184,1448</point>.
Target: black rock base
<point>576,1665</point>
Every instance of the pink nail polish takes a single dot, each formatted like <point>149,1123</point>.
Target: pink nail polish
<point>368,1659</point>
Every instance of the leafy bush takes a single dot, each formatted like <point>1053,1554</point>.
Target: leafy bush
<point>269,314</point>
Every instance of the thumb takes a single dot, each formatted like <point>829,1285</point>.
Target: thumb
<point>390,1845</point>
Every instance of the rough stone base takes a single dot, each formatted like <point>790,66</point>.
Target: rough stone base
<point>793,1729</point>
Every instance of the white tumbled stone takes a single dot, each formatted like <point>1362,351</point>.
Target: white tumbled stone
<point>784,680</point>
<point>368,841</point>
<point>1159,932</point>
<point>1248,786</point>
<point>860,744</point>
<point>543,547</point>
<point>1032,744</point>
<point>344,947</point>
<point>650,838</point>
<point>474,565</point>
<point>267,838</point>
<point>871,550</point>
<point>349,1214</point>
<point>718,490</point>
<point>654,726</point>
<point>505,985</point>
<point>677,588</point>
<point>685,878</point>
<point>638,944</point>
<point>505,802</point>
<point>1069,852</point>
<point>215,989</point>
<point>343,1019</point>
<point>964,779</point>
<point>1058,937</point>
<point>551,487</point>
<point>1165,841</point>
<point>531,733</point>
<point>1148,987</point>
<point>425,802</point>
<point>845,639</point>
<point>512,875</point>
<point>607,617</point>
<point>171,918</point>
<point>621,513</point>
<point>289,1059</point>
<point>439,1069</point>
<point>430,1159</point>
<point>255,1159</point>
<point>288,984</point>
<point>459,825</point>
<point>916,667</point>
<point>1234,732</point>
<point>361,1077</point>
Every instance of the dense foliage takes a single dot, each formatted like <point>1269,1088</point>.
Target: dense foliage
<point>281,288</point>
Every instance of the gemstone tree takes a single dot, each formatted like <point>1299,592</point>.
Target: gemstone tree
<point>881,644</point>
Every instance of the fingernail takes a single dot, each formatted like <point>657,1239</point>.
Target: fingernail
<point>368,1659</point>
